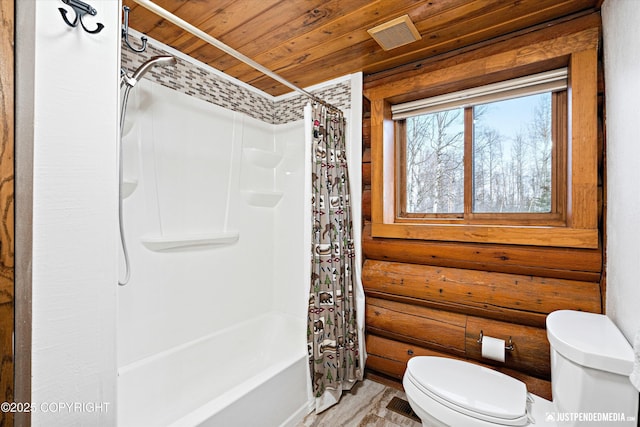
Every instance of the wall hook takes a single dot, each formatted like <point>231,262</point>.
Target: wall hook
<point>125,33</point>
<point>81,9</point>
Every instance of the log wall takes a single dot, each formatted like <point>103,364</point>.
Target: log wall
<point>434,297</point>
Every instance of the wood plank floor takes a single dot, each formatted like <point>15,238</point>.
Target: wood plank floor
<point>364,406</point>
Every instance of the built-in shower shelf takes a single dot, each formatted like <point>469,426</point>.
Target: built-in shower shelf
<point>265,199</point>
<point>163,243</point>
<point>262,158</point>
<point>127,188</point>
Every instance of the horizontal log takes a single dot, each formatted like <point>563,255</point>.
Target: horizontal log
<point>390,367</point>
<point>366,205</point>
<point>530,352</point>
<point>366,174</point>
<point>366,132</point>
<point>497,293</point>
<point>366,155</point>
<point>514,316</point>
<point>457,334</point>
<point>429,328</point>
<point>390,357</point>
<point>561,263</point>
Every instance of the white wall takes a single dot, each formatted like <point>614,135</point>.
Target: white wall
<point>621,35</point>
<point>73,114</point>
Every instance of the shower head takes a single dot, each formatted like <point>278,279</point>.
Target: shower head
<point>162,61</point>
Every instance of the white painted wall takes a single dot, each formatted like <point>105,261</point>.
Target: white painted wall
<point>73,114</point>
<point>621,35</point>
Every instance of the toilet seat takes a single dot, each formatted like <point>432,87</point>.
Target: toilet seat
<point>469,389</point>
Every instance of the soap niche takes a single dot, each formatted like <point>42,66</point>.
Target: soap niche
<point>258,186</point>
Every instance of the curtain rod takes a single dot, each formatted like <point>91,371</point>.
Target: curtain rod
<point>148,4</point>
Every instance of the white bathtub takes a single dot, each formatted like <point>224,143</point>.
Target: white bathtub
<point>252,374</point>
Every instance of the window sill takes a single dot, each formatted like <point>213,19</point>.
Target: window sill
<point>514,235</point>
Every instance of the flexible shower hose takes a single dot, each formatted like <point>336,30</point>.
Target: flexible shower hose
<point>125,252</point>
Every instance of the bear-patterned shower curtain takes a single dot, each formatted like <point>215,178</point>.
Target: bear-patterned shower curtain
<point>332,330</point>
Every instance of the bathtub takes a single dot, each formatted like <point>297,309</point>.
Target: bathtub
<point>260,379</point>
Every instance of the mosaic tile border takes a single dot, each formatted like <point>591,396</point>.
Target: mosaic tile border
<point>289,110</point>
<point>206,85</point>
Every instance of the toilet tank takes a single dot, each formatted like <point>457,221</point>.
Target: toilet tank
<point>590,366</point>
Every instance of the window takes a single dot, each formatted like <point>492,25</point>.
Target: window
<point>499,155</point>
<point>446,164</point>
<point>513,151</point>
<point>432,163</point>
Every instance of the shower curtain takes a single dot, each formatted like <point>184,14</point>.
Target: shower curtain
<point>332,330</point>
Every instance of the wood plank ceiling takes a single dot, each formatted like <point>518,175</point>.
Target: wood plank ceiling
<point>312,41</point>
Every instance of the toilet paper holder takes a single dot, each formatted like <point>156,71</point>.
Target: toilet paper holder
<point>508,345</point>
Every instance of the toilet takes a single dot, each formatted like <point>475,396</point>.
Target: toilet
<point>590,366</point>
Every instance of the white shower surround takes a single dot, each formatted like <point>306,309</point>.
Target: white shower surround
<point>197,384</point>
<point>190,166</point>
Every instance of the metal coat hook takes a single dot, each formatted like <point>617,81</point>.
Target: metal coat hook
<point>125,32</point>
<point>81,9</point>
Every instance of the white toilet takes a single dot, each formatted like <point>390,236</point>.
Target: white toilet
<point>590,366</point>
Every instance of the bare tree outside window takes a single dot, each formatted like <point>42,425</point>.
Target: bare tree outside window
<point>512,158</point>
<point>512,155</point>
<point>435,168</point>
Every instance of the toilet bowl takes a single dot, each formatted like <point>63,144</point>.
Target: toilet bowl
<point>590,364</point>
<point>451,392</point>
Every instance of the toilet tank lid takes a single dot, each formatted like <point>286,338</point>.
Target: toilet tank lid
<point>591,340</point>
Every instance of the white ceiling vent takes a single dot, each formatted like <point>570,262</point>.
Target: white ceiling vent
<point>395,33</point>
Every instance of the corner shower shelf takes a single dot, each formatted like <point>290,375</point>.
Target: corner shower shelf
<point>161,243</point>
<point>127,188</point>
<point>265,199</point>
<point>262,158</point>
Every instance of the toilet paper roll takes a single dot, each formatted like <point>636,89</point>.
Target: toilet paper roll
<point>493,348</point>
